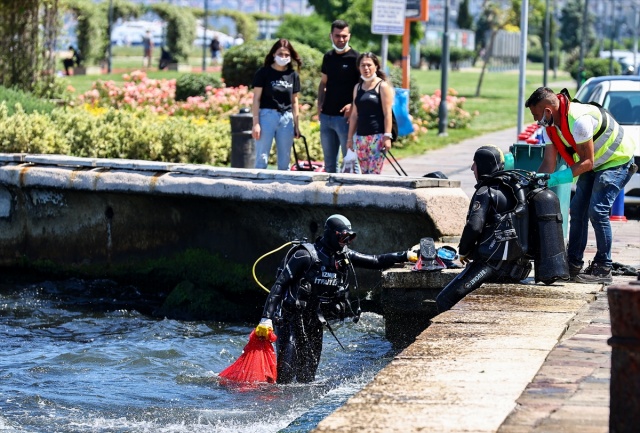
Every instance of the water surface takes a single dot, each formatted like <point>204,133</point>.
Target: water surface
<point>76,362</point>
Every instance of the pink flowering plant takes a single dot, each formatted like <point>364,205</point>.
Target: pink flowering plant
<point>140,92</point>
<point>429,116</point>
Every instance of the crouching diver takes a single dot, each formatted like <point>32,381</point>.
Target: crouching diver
<point>494,239</point>
<point>313,283</point>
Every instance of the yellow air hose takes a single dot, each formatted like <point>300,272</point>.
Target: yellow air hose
<point>253,270</point>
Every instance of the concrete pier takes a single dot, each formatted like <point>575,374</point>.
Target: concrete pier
<point>507,358</point>
<point>102,211</point>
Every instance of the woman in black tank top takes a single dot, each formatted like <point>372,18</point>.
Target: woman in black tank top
<point>370,121</point>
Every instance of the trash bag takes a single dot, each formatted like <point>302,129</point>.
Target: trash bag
<point>257,362</point>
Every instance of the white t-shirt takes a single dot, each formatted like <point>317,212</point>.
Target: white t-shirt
<point>584,128</point>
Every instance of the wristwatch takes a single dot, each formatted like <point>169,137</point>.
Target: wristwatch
<point>388,134</point>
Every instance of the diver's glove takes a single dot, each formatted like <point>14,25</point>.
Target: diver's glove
<point>263,328</point>
<point>413,252</point>
<point>557,178</point>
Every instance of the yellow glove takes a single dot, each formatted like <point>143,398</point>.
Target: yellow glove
<point>412,253</point>
<point>262,330</point>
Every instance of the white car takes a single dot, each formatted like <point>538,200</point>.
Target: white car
<point>621,96</point>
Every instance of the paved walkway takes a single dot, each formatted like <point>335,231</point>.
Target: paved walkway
<point>454,160</point>
<point>508,358</point>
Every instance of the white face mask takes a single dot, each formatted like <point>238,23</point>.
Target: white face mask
<point>339,50</point>
<point>544,122</point>
<point>282,61</point>
<point>363,78</point>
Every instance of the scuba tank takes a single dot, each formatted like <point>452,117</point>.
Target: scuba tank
<point>546,236</point>
<point>507,237</point>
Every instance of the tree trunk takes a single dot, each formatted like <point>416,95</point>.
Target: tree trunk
<point>487,59</point>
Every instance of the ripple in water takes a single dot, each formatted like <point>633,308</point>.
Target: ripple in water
<point>67,367</point>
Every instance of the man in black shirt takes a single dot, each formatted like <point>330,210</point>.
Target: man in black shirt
<point>339,76</point>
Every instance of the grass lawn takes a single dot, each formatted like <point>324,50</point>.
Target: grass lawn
<point>497,104</point>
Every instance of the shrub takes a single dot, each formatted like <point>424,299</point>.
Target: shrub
<point>241,63</point>
<point>142,93</point>
<point>457,117</point>
<point>29,132</point>
<point>312,30</point>
<point>593,67</point>
<point>28,102</point>
<point>194,85</point>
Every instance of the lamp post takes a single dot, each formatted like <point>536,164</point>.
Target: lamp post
<point>444,75</point>
<point>613,35</point>
<point>583,42</point>
<point>547,30</point>
<point>204,37</point>
<point>109,31</point>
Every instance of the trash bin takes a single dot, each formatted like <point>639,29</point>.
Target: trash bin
<point>243,154</point>
<point>529,157</point>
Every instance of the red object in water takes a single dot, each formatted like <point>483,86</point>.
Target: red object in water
<point>257,362</point>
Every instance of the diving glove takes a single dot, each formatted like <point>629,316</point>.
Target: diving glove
<point>560,177</point>
<point>509,161</point>
<point>412,253</point>
<point>263,328</point>
<point>412,256</point>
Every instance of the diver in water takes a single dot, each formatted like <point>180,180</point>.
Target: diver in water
<point>312,286</point>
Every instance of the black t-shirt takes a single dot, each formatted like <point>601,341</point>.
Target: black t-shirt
<point>278,87</point>
<point>342,75</point>
<point>370,113</point>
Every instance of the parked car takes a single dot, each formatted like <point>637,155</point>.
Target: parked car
<point>621,96</point>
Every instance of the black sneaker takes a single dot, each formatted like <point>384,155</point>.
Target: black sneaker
<point>598,274</point>
<point>574,270</point>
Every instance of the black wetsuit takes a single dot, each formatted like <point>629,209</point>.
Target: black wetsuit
<point>313,284</point>
<point>492,260</point>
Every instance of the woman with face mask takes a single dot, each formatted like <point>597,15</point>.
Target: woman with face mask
<point>371,115</point>
<point>275,104</point>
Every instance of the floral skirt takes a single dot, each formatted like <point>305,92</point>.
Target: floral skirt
<point>370,155</point>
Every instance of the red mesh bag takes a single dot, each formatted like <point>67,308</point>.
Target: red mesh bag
<point>257,362</point>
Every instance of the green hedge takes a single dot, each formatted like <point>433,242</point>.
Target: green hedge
<point>112,133</point>
<point>28,102</point>
<point>241,63</point>
<point>194,85</point>
<point>593,68</point>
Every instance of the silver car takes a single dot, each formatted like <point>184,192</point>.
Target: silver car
<point>621,96</point>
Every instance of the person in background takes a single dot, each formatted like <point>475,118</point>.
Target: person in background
<point>597,150</point>
<point>74,60</point>
<point>312,286</point>
<point>339,76</point>
<point>371,115</point>
<point>147,46</point>
<point>489,200</point>
<point>275,104</point>
<point>215,49</point>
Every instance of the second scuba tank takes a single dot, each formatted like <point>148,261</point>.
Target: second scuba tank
<point>546,240</point>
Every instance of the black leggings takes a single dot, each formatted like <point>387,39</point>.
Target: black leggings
<point>299,347</point>
<point>472,277</point>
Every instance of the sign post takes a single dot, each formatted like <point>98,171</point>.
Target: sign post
<point>387,18</point>
<point>416,10</point>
